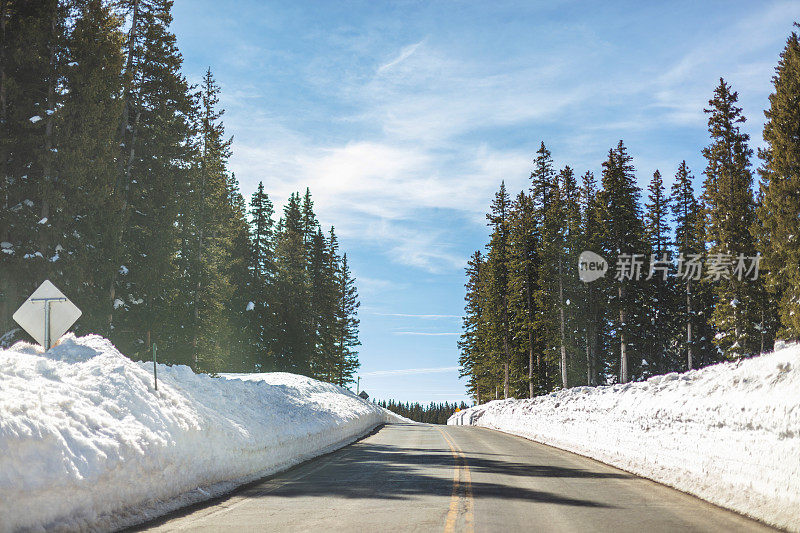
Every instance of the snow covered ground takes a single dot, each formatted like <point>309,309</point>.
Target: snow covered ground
<point>87,443</point>
<point>728,433</point>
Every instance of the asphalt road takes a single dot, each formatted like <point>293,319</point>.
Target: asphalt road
<point>441,478</point>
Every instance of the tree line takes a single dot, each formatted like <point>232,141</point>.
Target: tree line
<point>114,184</point>
<point>692,279</point>
<point>433,413</point>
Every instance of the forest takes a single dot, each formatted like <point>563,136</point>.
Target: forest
<point>433,413</point>
<point>115,185</point>
<point>694,277</point>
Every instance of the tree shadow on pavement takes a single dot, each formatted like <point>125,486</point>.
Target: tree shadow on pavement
<point>372,470</point>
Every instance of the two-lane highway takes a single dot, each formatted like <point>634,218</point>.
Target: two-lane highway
<point>415,477</point>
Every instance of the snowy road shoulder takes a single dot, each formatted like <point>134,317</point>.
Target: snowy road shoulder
<point>87,443</point>
<point>728,433</point>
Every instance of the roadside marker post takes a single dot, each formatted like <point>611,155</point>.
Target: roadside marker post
<point>47,314</point>
<point>155,368</point>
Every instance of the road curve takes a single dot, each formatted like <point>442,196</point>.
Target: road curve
<point>416,477</point>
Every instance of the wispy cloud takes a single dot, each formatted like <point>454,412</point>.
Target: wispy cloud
<point>375,286</point>
<point>407,371</point>
<point>423,333</point>
<point>405,53</point>
<point>381,147</point>
<point>423,317</point>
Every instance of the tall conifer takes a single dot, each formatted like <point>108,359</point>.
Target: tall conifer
<point>623,239</point>
<point>730,214</point>
<point>779,212</point>
<point>522,287</point>
<point>497,287</point>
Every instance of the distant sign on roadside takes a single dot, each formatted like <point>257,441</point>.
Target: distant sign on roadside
<point>47,314</point>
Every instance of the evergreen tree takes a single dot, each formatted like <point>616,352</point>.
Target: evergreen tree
<point>155,171</point>
<point>242,335</point>
<point>660,289</point>
<point>496,286</point>
<point>294,342</point>
<point>547,210</point>
<point>310,224</point>
<point>32,70</point>
<point>321,268</point>
<point>473,361</point>
<point>523,271</point>
<point>262,268</point>
<point>82,159</point>
<point>571,369</point>
<point>347,323</point>
<point>593,323</point>
<point>209,241</point>
<point>778,230</point>
<point>623,243</point>
<point>730,215</point>
<point>689,245</point>
<point>114,183</point>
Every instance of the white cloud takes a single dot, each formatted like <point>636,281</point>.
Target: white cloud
<point>419,119</point>
<point>424,334</point>
<point>407,371</point>
<point>368,286</point>
<point>422,317</point>
<point>405,53</point>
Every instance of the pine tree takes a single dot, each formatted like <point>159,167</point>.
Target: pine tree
<point>262,268</point>
<point>568,284</point>
<point>310,224</point>
<point>347,324</point>
<point>623,237</point>
<point>523,271</point>
<point>294,340</point>
<point>496,286</point>
<point>155,171</point>
<point>34,62</point>
<point>242,335</point>
<point>114,184</point>
<point>730,209</point>
<point>473,361</point>
<point>329,309</point>
<point>660,289</point>
<point>592,323</point>
<point>689,245</point>
<point>128,124</point>
<point>81,168</point>
<point>547,210</point>
<point>323,301</point>
<point>779,213</point>
<point>209,241</point>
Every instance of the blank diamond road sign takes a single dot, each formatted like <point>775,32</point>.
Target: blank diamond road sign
<point>31,314</point>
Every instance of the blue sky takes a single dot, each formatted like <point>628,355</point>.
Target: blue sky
<point>403,118</point>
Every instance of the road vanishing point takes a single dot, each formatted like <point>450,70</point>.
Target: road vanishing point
<point>418,477</point>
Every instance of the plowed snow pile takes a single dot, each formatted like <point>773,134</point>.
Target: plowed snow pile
<point>728,433</point>
<point>86,443</point>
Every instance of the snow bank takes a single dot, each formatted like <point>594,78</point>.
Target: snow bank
<point>728,433</point>
<point>86,443</point>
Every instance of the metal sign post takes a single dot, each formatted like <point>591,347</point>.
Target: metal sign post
<point>47,301</point>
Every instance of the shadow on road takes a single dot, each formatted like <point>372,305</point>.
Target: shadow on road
<point>383,471</point>
<point>370,469</point>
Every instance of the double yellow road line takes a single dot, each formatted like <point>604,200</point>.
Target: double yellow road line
<point>461,497</point>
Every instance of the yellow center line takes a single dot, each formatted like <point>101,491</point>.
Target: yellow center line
<point>461,468</point>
